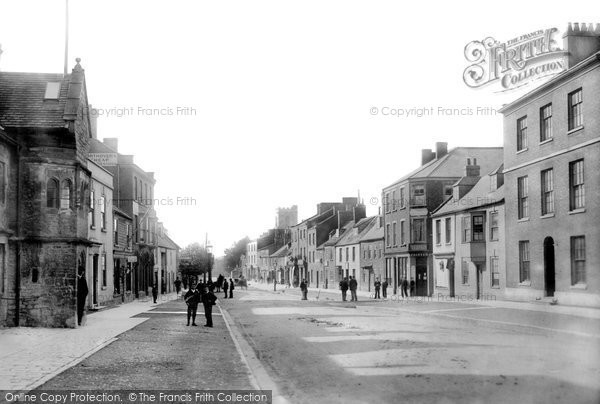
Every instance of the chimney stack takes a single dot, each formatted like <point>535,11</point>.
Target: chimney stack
<point>112,142</point>
<point>94,122</point>
<point>472,170</point>
<point>426,156</point>
<point>581,42</point>
<point>441,149</point>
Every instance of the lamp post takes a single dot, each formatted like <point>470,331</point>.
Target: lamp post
<point>210,261</point>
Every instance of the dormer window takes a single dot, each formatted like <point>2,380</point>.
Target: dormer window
<point>52,91</point>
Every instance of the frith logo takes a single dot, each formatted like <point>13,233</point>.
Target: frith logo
<point>514,63</point>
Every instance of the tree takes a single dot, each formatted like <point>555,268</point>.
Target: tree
<point>194,261</point>
<point>233,254</point>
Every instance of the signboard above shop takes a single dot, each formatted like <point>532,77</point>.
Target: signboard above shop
<point>104,159</point>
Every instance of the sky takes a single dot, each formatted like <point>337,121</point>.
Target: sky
<point>240,107</point>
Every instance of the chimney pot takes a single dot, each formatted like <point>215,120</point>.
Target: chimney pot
<point>441,149</point>
<point>426,156</point>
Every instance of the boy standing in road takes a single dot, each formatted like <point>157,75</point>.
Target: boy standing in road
<point>377,286</point>
<point>208,300</point>
<point>353,285</point>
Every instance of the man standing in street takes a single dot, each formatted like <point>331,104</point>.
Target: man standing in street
<point>344,288</point>
<point>404,288</point>
<point>231,287</point>
<point>208,300</point>
<point>353,285</point>
<point>82,292</point>
<point>304,290</point>
<point>225,287</point>
<point>384,286</point>
<point>154,292</point>
<point>377,286</point>
<point>412,287</point>
<point>192,298</point>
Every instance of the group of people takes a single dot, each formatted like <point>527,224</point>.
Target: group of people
<point>200,293</point>
<point>403,288</point>
<point>349,283</point>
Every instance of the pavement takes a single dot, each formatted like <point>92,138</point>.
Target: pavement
<point>335,294</point>
<point>32,356</point>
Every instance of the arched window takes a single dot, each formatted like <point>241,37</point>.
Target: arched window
<point>52,193</point>
<point>66,195</point>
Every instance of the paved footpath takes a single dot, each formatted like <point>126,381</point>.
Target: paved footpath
<point>32,356</point>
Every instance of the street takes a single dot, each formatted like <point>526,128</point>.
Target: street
<point>329,351</point>
<point>326,351</point>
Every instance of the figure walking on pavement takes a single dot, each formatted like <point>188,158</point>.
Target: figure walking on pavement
<point>231,287</point>
<point>304,289</point>
<point>384,286</point>
<point>82,292</point>
<point>344,288</point>
<point>353,285</point>
<point>192,298</point>
<point>412,287</point>
<point>208,300</point>
<point>404,288</point>
<point>377,286</point>
<point>154,292</point>
<point>225,287</point>
<point>177,286</point>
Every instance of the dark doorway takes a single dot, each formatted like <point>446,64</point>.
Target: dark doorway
<point>549,275</point>
<point>95,280</point>
<point>450,266</point>
<point>479,272</point>
<point>421,274</point>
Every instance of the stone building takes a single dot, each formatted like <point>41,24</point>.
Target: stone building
<point>348,252</point>
<point>134,196</point>
<point>551,162</point>
<point>372,262</point>
<point>44,148</point>
<point>408,204</point>
<point>469,259</point>
<point>167,254</point>
<point>123,257</point>
<point>100,264</point>
<point>286,217</point>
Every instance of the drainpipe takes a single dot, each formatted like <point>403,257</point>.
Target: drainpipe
<point>18,260</point>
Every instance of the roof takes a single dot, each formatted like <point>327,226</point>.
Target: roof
<point>22,103</point>
<point>375,232</point>
<point>354,234</point>
<point>452,164</point>
<point>479,196</point>
<point>165,241</point>
<point>282,252</point>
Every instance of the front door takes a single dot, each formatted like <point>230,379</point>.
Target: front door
<point>450,266</point>
<point>421,273</point>
<point>95,280</point>
<point>479,274</point>
<point>549,275</point>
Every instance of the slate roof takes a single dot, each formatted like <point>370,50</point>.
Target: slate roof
<point>479,196</point>
<point>22,103</point>
<point>375,232</point>
<point>453,163</point>
<point>282,252</point>
<point>165,241</point>
<point>353,235</point>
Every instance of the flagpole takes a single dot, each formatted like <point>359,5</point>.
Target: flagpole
<point>66,37</point>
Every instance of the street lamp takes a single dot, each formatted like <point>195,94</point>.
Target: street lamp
<point>210,261</point>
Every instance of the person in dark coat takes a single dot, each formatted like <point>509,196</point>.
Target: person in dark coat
<point>304,289</point>
<point>225,287</point>
<point>384,286</point>
<point>412,287</point>
<point>82,292</point>
<point>177,286</point>
<point>154,292</point>
<point>231,287</point>
<point>192,298</point>
<point>404,288</point>
<point>377,287</point>
<point>353,285</point>
<point>344,288</point>
<point>208,300</point>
